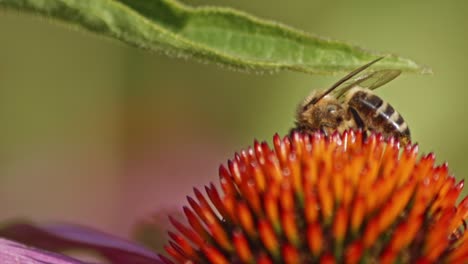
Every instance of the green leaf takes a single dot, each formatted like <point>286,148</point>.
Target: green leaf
<point>219,35</point>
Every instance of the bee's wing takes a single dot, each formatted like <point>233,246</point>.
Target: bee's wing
<point>370,80</point>
<point>378,78</point>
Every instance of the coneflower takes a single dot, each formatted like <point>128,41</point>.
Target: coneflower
<point>313,199</point>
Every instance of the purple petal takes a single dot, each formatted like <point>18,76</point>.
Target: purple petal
<point>61,237</point>
<point>14,253</point>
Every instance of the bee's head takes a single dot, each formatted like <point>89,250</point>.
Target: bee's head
<point>319,114</point>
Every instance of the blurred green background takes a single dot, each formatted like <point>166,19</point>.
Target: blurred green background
<point>99,133</point>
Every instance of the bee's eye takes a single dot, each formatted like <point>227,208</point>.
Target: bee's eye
<point>331,109</point>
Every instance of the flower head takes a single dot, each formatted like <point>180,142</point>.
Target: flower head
<point>339,199</point>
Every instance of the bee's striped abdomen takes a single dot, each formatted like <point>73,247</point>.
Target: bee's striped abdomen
<point>378,115</point>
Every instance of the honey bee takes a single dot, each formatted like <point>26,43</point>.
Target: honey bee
<point>350,104</point>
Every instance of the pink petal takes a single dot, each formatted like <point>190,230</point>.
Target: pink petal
<point>15,253</point>
<point>60,237</point>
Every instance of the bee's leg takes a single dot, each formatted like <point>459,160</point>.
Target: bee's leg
<point>359,122</point>
<point>323,130</point>
<point>357,119</point>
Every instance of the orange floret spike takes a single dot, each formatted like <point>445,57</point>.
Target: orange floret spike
<point>281,151</point>
<point>208,211</point>
<point>407,161</point>
<point>242,247</point>
<point>258,176</point>
<point>291,255</point>
<point>195,223</point>
<point>250,192</point>
<point>259,153</point>
<point>438,237</point>
<point>388,257</point>
<point>226,181</point>
<point>298,142</point>
<point>216,200</point>
<point>221,237</point>
<point>405,233</point>
<point>461,216</point>
<point>201,212</point>
<point>174,253</point>
<point>235,171</point>
<point>268,237</point>
<point>290,228</point>
<point>187,232</point>
<point>286,198</point>
<point>355,197</point>
<point>273,169</point>
<point>371,233</point>
<point>340,224</point>
<point>460,253</point>
<point>266,149</point>
<point>354,252</point>
<point>315,239</point>
<point>424,167</point>
<point>310,172</point>
<point>423,260</point>
<point>184,246</point>
<point>326,199</point>
<point>229,203</point>
<point>389,157</point>
<point>312,208</point>
<point>452,195</point>
<point>327,259</point>
<point>264,259</point>
<point>294,166</point>
<point>348,193</point>
<point>357,214</point>
<point>446,185</point>
<point>214,256</point>
<point>438,177</point>
<point>272,211</point>
<point>337,184</point>
<point>395,206</point>
<point>246,219</point>
<point>365,183</point>
<point>354,169</point>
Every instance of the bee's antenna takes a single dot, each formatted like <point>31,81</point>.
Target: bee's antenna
<point>342,80</point>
